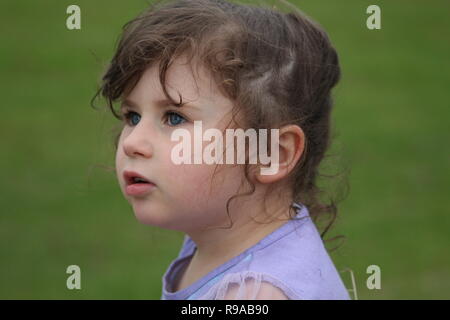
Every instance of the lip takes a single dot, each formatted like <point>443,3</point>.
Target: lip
<point>136,189</point>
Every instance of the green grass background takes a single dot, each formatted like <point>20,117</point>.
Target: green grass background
<point>59,206</point>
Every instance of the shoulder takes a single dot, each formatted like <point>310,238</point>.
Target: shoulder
<point>255,291</point>
<point>248,285</point>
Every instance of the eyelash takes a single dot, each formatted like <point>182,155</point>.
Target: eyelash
<point>128,114</point>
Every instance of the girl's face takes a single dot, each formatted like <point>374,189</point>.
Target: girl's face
<point>181,198</point>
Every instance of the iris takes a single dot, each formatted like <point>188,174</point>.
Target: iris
<point>134,118</point>
<point>176,116</point>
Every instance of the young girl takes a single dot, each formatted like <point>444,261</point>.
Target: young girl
<point>248,235</point>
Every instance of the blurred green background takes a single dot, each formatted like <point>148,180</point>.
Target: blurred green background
<point>61,206</point>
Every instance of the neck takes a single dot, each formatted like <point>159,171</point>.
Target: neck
<point>251,223</point>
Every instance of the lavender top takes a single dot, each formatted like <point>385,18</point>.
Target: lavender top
<point>291,258</point>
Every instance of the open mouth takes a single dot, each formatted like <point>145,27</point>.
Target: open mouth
<point>136,184</point>
<point>135,178</point>
<point>138,180</point>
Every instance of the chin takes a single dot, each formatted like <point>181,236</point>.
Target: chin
<point>163,222</point>
<point>147,218</point>
<point>151,217</point>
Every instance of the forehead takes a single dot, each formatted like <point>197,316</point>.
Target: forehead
<point>191,81</point>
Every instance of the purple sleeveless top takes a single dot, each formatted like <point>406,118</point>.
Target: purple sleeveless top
<point>291,258</point>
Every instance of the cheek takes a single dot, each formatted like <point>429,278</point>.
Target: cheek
<point>188,180</point>
<point>198,184</point>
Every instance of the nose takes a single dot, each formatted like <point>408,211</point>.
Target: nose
<point>137,143</point>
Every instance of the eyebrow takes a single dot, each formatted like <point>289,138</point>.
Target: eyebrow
<point>160,103</point>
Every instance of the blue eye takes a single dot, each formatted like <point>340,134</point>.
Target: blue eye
<point>174,118</point>
<point>132,117</point>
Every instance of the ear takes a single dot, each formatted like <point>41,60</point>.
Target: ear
<point>290,148</point>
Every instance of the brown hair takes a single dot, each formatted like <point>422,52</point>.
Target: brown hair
<point>277,68</point>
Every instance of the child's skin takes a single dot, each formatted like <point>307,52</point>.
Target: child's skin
<point>181,199</point>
